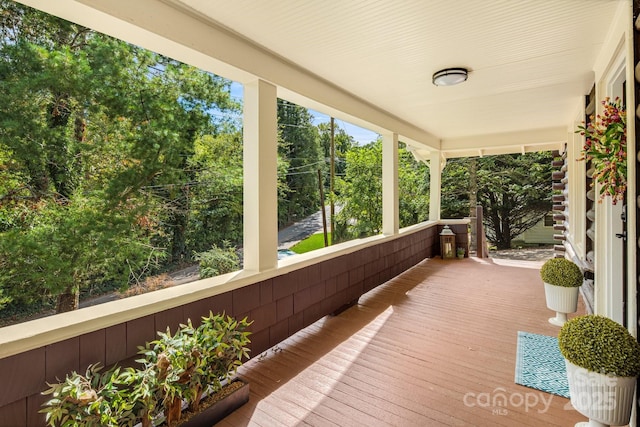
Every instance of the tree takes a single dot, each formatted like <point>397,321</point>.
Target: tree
<point>216,195</point>
<point>413,187</point>
<point>455,189</point>
<point>360,192</point>
<point>343,142</point>
<point>299,146</point>
<point>95,141</point>
<point>515,192</point>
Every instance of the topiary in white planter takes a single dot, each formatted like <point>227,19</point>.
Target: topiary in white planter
<point>603,362</point>
<point>562,279</point>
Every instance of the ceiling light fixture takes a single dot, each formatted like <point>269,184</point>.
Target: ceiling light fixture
<point>450,76</point>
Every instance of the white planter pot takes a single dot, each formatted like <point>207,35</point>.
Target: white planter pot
<point>604,399</point>
<point>562,300</point>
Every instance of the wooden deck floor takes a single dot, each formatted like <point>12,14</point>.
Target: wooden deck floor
<point>431,347</point>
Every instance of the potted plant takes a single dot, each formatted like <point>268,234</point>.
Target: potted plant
<point>90,399</point>
<point>603,362</point>
<point>460,252</point>
<point>606,147</point>
<point>562,279</point>
<point>177,371</point>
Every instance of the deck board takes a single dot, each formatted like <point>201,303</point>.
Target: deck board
<point>409,353</point>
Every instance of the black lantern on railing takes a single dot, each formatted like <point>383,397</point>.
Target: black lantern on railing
<point>447,243</point>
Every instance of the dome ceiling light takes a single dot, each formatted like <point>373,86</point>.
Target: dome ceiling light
<point>450,76</point>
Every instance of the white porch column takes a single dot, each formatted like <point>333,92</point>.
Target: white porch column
<point>435,174</point>
<point>390,193</point>
<point>260,152</point>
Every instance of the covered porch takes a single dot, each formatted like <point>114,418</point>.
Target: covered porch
<point>435,345</point>
<point>426,337</point>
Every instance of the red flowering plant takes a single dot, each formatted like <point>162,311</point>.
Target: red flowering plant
<point>606,146</point>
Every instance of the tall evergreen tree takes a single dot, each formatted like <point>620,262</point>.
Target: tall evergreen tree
<point>515,192</point>
<point>95,141</point>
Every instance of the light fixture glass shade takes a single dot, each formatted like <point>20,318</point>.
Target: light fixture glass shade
<point>450,76</point>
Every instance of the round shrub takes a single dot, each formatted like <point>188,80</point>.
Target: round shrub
<point>561,272</point>
<point>599,344</point>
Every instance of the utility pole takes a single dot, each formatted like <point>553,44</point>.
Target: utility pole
<point>324,212</point>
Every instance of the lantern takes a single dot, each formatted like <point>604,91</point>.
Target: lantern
<point>447,243</point>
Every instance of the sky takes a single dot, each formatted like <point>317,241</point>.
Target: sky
<point>362,136</point>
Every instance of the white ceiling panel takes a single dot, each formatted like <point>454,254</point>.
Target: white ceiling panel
<point>530,60</point>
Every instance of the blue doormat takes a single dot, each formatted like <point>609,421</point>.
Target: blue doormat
<point>540,365</point>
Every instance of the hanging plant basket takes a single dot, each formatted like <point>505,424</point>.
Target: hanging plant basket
<point>606,146</point>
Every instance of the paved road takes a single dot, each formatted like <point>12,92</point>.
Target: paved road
<point>291,235</point>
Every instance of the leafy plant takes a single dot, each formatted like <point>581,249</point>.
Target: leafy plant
<point>599,344</point>
<point>175,369</point>
<point>217,261</point>
<point>90,400</point>
<point>222,344</point>
<point>606,146</point>
<point>561,272</point>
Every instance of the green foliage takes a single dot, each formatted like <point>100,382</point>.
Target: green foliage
<point>300,145</point>
<point>455,188</point>
<point>599,344</point>
<point>215,208</point>
<point>175,367</point>
<point>360,194</point>
<point>104,164</point>
<point>515,192</point>
<point>71,246</point>
<point>413,188</point>
<point>513,189</point>
<point>311,243</point>
<point>217,261</point>
<point>92,399</point>
<point>561,272</point>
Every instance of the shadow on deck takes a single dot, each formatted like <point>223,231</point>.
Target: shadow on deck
<point>430,347</point>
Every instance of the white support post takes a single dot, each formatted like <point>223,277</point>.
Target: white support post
<point>260,153</point>
<point>390,193</point>
<point>435,173</point>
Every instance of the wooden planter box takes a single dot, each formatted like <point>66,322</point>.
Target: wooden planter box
<point>220,409</point>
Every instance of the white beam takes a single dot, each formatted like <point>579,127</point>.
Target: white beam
<point>260,151</point>
<point>435,173</point>
<point>390,193</point>
<point>508,142</point>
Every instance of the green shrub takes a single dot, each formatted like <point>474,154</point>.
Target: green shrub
<point>599,344</point>
<point>561,272</point>
<point>217,261</point>
<point>175,368</point>
<point>90,399</point>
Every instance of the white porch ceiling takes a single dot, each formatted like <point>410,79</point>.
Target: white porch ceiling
<point>530,61</point>
<point>371,61</point>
